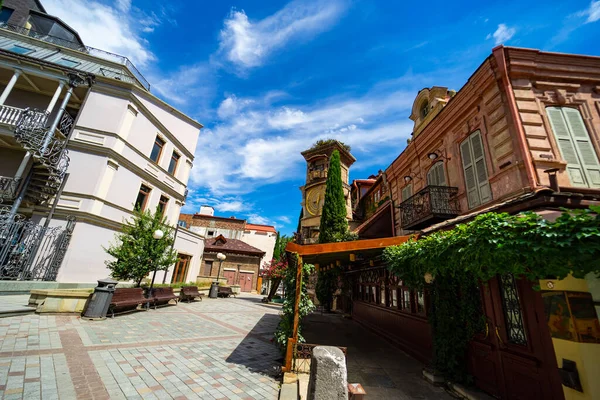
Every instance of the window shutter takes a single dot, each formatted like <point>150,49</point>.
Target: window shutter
<point>483,185</point>
<point>584,146</point>
<point>406,192</point>
<point>469,170</point>
<point>436,176</point>
<point>566,145</point>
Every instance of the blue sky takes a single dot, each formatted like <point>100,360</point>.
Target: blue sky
<point>269,78</point>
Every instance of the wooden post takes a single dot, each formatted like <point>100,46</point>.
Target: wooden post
<point>289,355</point>
<point>298,296</point>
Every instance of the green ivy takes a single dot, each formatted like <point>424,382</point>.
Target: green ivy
<point>285,328</point>
<point>525,245</point>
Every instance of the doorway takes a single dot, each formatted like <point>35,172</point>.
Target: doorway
<point>181,268</point>
<point>514,358</point>
<point>246,281</point>
<point>230,276</point>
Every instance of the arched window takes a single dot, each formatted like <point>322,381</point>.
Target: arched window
<point>424,110</point>
<point>436,175</point>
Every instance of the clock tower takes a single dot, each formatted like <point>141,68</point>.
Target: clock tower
<point>313,191</point>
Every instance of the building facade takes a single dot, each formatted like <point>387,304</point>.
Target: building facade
<point>523,134</point>
<point>82,141</point>
<point>241,267</point>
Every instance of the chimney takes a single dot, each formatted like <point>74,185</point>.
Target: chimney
<point>207,210</point>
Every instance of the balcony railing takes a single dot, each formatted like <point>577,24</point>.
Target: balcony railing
<point>81,48</point>
<point>9,115</point>
<point>428,206</point>
<point>8,188</point>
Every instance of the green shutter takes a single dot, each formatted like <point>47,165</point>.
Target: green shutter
<point>584,146</point>
<point>469,170</point>
<point>575,146</point>
<point>436,176</point>
<point>406,192</point>
<point>485,193</point>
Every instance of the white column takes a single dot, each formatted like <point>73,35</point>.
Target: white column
<point>10,86</point>
<point>55,97</point>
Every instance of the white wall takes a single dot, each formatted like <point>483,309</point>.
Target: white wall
<point>261,240</point>
<point>190,244</point>
<point>227,233</point>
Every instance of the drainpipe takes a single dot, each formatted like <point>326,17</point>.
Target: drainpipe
<point>500,56</point>
<point>59,114</point>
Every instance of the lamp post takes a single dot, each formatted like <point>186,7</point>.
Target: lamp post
<point>157,235</point>
<point>214,287</point>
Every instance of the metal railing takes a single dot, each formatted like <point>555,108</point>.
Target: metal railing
<point>9,115</point>
<point>8,188</point>
<point>431,201</point>
<point>29,251</point>
<point>107,55</point>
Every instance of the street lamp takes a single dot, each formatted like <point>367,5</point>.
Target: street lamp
<point>157,235</point>
<point>214,287</point>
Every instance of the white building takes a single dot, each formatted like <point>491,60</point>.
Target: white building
<point>76,116</point>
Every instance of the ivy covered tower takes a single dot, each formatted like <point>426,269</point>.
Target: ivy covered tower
<point>313,191</point>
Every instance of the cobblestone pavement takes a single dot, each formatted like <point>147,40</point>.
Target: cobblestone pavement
<point>214,349</point>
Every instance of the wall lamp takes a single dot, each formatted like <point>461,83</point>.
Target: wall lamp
<point>411,175</point>
<point>434,155</point>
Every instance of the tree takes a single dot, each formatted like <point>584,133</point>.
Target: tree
<point>334,224</point>
<point>136,253</point>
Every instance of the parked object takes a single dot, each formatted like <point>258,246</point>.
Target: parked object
<point>225,291</point>
<point>190,293</point>
<point>162,296</point>
<point>101,299</point>
<point>127,299</point>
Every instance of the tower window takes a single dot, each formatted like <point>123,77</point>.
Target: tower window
<point>424,109</point>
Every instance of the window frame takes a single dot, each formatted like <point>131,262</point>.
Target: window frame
<point>437,164</point>
<point>12,10</point>
<point>473,165</point>
<point>181,268</point>
<point>163,204</point>
<point>173,154</point>
<point>146,197</point>
<point>12,49</point>
<point>160,149</point>
<point>76,63</point>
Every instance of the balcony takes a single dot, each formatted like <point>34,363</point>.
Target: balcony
<point>431,205</point>
<point>136,76</point>
<point>8,188</point>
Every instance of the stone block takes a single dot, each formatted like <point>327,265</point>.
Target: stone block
<point>59,300</point>
<point>328,374</point>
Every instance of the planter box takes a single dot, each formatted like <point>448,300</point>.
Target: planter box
<point>59,300</point>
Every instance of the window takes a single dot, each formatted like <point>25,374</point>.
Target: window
<point>68,63</point>
<point>424,109</point>
<point>181,268</point>
<point>15,48</point>
<point>436,175</point>
<point>5,14</point>
<point>173,163</point>
<point>182,224</point>
<point>475,170</point>
<point>420,297</point>
<point>142,198</point>
<point>406,192</point>
<point>575,146</point>
<point>162,205</point>
<point>208,268</point>
<point>377,196</point>
<point>382,296</point>
<point>210,233</point>
<point>405,299</point>
<point>157,149</point>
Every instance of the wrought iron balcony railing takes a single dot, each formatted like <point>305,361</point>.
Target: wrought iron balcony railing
<point>106,55</point>
<point>430,205</point>
<point>8,188</point>
<point>9,115</point>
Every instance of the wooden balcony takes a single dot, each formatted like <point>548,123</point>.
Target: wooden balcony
<point>430,205</point>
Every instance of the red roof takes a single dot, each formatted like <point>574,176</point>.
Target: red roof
<point>224,245</point>
<point>261,228</point>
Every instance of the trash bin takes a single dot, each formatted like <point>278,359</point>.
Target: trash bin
<point>98,305</point>
<point>214,290</point>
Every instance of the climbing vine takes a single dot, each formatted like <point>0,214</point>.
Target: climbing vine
<point>285,328</point>
<point>458,260</point>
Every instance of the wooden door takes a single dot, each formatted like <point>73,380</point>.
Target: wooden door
<point>514,358</point>
<point>246,281</point>
<point>230,276</point>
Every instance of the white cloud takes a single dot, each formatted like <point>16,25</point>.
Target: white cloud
<point>247,43</point>
<point>502,34</point>
<point>592,13</point>
<point>104,27</point>
<point>198,88</point>
<point>235,206</point>
<point>284,219</point>
<point>258,219</point>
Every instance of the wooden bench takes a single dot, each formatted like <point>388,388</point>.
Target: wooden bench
<point>225,291</point>
<point>162,296</point>
<point>126,299</point>
<point>189,293</point>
